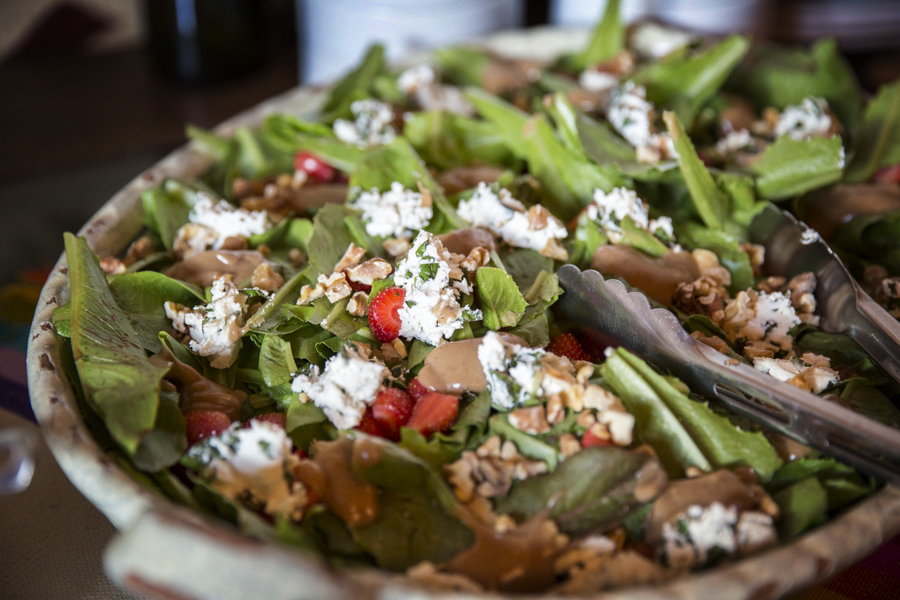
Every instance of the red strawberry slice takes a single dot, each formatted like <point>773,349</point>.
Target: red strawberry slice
<point>434,412</point>
<point>415,389</point>
<point>384,315</point>
<point>392,409</point>
<point>279,419</point>
<point>370,425</point>
<point>589,439</point>
<point>316,170</point>
<point>566,344</point>
<point>201,424</point>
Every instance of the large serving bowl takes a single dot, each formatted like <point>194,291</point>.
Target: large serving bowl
<point>167,551</point>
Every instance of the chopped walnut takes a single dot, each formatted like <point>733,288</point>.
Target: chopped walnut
<point>531,420</point>
<point>757,254</point>
<point>569,445</point>
<point>296,257</point>
<point>266,279</point>
<point>396,247</point>
<point>139,249</point>
<point>426,574</point>
<point>477,258</point>
<point>112,265</point>
<point>556,412</point>
<point>400,347</point>
<point>192,239</point>
<point>276,197</point>
<point>358,305</point>
<point>772,284</point>
<point>351,258</point>
<point>374,269</point>
<point>713,341</point>
<point>704,296</point>
<point>586,419</point>
<point>490,470</point>
<point>888,295</point>
<point>739,311</point>
<point>872,279</point>
<point>801,288</point>
<point>709,266</point>
<point>335,287</point>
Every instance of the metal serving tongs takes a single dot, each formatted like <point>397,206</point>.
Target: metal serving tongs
<point>606,309</point>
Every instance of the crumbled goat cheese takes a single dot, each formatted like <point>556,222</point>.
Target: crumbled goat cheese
<point>371,125</point>
<point>216,328</point>
<point>506,217</point>
<point>809,236</point>
<point>734,141</point>
<point>808,119</point>
<point>773,318</point>
<point>650,40</point>
<point>416,78</point>
<point>609,210</point>
<point>512,371</point>
<point>632,115</point>
<point>420,82</point>
<point>812,372</point>
<point>698,532</point>
<point>597,81</point>
<point>253,464</point>
<point>223,221</point>
<point>345,388</point>
<point>431,310</point>
<point>398,212</point>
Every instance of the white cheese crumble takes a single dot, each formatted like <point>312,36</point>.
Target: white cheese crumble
<point>773,318</point>
<point>698,532</point>
<point>420,82</point>
<point>734,141</point>
<point>512,371</point>
<point>397,212</point>
<point>215,329</point>
<point>216,221</point>
<point>808,119</point>
<point>609,210</point>
<point>650,40</point>
<point>597,81</point>
<point>506,217</point>
<point>431,310</point>
<point>632,115</point>
<point>371,125</point>
<point>255,461</point>
<point>345,388</point>
<point>812,372</point>
<point>809,236</point>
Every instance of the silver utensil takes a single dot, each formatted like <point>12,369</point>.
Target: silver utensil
<point>791,249</point>
<point>606,309</point>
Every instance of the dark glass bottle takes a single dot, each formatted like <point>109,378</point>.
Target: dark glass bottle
<point>199,41</point>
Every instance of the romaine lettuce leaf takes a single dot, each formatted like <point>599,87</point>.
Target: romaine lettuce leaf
<point>446,140</point>
<point>878,142</point>
<point>355,85</point>
<point>500,300</point>
<point>790,167</point>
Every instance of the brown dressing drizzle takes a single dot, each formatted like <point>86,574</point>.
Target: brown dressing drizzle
<point>463,241</point>
<point>203,268</point>
<point>196,392</point>
<point>316,196</point>
<point>454,368</point>
<point>656,277</point>
<point>328,474</point>
<point>460,179</point>
<point>519,560</point>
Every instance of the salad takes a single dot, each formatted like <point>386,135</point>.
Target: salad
<point>341,337</point>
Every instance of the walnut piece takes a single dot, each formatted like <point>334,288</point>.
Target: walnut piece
<point>704,296</point>
<point>351,258</point>
<point>531,420</point>
<point>369,271</point>
<point>266,279</point>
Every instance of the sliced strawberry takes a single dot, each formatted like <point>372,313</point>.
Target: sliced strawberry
<point>316,170</point>
<point>889,174</point>
<point>566,344</point>
<point>434,412</point>
<point>589,439</point>
<point>370,425</point>
<point>357,286</point>
<point>279,419</point>
<point>201,424</point>
<point>384,315</point>
<point>392,409</point>
<point>415,389</point>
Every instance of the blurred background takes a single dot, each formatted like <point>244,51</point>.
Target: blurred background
<point>94,91</point>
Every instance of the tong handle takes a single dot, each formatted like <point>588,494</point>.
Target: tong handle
<point>877,332</point>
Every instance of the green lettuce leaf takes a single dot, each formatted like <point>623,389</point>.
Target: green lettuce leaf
<point>119,381</point>
<point>329,241</point>
<point>790,167</point>
<point>878,141</point>
<point>354,86</point>
<point>462,65</point>
<point>686,84</point>
<point>446,140</point>
<point>166,209</point>
<point>802,505</point>
<point>590,491</point>
<point>499,298</point>
<point>606,41</point>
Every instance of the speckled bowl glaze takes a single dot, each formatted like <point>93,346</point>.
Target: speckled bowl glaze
<point>167,551</point>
